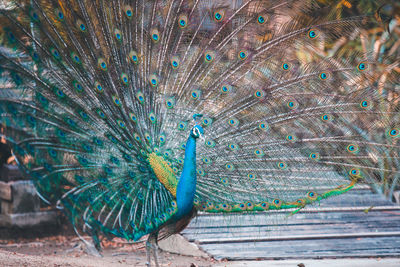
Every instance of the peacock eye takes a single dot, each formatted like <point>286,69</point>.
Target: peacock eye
<point>196,132</point>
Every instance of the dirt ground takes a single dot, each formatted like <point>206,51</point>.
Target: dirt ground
<point>69,251</point>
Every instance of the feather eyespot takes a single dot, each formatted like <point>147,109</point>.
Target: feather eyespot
<point>352,148</point>
<point>118,35</point>
<point>264,205</point>
<point>140,97</point>
<point>35,56</point>
<point>75,58</point>
<point>312,195</point>
<point>121,124</point>
<point>207,160</point>
<point>252,176</point>
<point>282,165</point>
<point>152,117</point>
<point>182,125</point>
<point>183,146</point>
<point>241,206</point>
<point>155,35</point>
<point>226,207</point>
<point>11,37</point>
<point>133,57</point>
<point>285,66</point>
<point>354,172</point>
<point>365,104</point>
<point>259,153</point>
<point>162,139</point>
<point>229,166</point>
<point>98,87</point>
<point>277,203</point>
<point>81,26</point>
<point>182,21</point>
<point>124,79</point>
<point>324,76</point>
<point>102,64</point>
<point>263,126</point>
<point>101,114</point>
<point>128,11</point>
<point>362,66</point>
<point>147,137</point>
<point>233,122</point>
<point>261,20</point>
<point>137,137</point>
<point>394,133</point>
<point>170,102</point>
<point>206,121</point>
<point>242,54</point>
<point>292,104</point>
<point>219,15</point>
<point>315,156</point>
<point>195,94</point>
<point>210,143</point>
<point>208,57</point>
<point>34,15</point>
<point>17,78</point>
<point>312,33</point>
<point>226,88</point>
<point>77,86</point>
<point>291,138</point>
<point>249,205</point>
<point>233,147</point>
<point>259,94</point>
<point>175,62</point>
<point>31,119</point>
<point>116,101</point>
<point>326,117</point>
<point>42,99</point>
<point>153,80</point>
<point>129,144</point>
<point>55,53</point>
<point>301,202</point>
<point>133,117</point>
<point>59,14</point>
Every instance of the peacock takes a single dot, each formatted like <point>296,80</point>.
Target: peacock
<point>134,115</point>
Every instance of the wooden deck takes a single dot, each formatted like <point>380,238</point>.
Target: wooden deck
<point>357,224</point>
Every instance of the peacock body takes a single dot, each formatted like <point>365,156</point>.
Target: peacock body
<point>116,100</point>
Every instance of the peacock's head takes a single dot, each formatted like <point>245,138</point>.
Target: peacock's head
<point>197,131</point>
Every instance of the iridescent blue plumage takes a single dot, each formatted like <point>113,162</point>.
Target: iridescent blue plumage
<point>187,182</point>
<point>110,100</point>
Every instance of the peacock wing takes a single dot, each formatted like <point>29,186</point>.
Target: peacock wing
<point>82,116</point>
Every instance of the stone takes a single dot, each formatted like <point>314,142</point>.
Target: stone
<point>23,198</point>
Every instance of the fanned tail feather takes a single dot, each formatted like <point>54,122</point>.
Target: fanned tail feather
<point>99,86</point>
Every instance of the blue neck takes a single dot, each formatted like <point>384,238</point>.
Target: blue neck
<point>187,182</point>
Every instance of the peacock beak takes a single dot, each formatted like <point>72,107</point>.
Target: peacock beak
<point>202,138</point>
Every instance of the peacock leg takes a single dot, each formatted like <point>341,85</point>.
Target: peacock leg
<point>148,253</point>
<point>151,246</point>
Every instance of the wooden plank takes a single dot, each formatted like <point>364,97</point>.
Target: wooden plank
<point>5,191</point>
<point>250,233</point>
<point>306,218</point>
<point>322,248</point>
<point>346,226</point>
<point>299,237</point>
